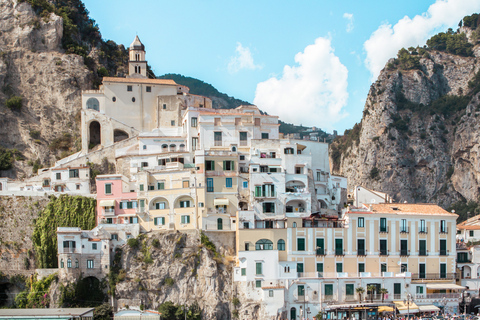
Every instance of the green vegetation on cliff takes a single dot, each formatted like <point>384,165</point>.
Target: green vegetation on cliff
<point>64,211</point>
<point>36,293</point>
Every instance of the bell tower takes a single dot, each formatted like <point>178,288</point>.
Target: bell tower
<point>137,66</point>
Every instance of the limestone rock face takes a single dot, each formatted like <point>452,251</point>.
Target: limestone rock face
<point>182,271</point>
<point>420,155</point>
<point>33,66</point>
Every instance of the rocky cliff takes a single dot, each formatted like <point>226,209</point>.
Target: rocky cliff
<point>418,139</point>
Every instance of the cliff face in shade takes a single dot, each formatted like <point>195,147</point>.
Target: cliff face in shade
<point>408,145</point>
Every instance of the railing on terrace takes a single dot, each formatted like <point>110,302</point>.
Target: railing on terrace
<point>443,230</point>
<point>433,276</point>
<point>384,229</point>
<point>361,252</point>
<point>320,252</point>
<point>383,252</point>
<point>218,227</point>
<point>438,296</point>
<point>334,275</point>
<point>322,224</point>
<point>404,229</point>
<point>423,252</point>
<point>397,296</point>
<point>339,252</point>
<point>404,253</point>
<point>423,230</point>
<point>69,250</point>
<point>464,261</point>
<point>444,252</point>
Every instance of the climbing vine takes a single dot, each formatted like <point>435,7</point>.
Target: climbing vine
<point>36,294</point>
<point>64,211</point>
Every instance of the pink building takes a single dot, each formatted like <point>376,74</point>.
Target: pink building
<point>116,200</point>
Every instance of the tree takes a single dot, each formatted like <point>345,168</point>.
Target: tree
<point>383,292</point>
<point>103,312</point>
<point>360,291</point>
<point>370,290</point>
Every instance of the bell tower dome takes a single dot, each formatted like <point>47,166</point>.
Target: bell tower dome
<point>137,66</point>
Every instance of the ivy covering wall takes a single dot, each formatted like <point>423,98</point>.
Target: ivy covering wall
<point>64,211</point>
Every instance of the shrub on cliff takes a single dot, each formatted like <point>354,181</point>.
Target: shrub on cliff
<point>14,103</point>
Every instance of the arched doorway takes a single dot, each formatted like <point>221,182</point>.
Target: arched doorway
<point>293,313</point>
<point>119,135</point>
<point>95,134</point>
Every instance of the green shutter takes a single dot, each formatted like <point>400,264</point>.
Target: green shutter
<point>141,187</point>
<point>244,271</point>
<point>108,188</point>
<point>233,165</point>
<point>188,219</point>
<point>319,267</point>
<point>258,191</point>
<point>224,165</point>
<point>349,289</point>
<point>120,205</point>
<point>329,289</point>
<point>361,267</point>
<point>299,267</point>
<point>142,203</point>
<point>258,268</point>
<point>300,244</point>
<point>301,290</point>
<point>129,205</point>
<point>339,267</point>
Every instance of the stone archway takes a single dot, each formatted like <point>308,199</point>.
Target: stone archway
<point>119,135</point>
<point>95,131</point>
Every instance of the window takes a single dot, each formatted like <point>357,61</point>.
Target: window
<point>201,205</point>
<point>257,122</point>
<point>243,271</point>
<point>328,288</point>
<point>76,263</point>
<point>270,293</point>
<point>300,244</point>
<point>383,247</point>
<point>94,246</point>
<point>61,263</point>
<point>209,184</point>
<point>73,173</point>
<point>443,226</point>
<point>160,221</point>
<point>114,236</point>
<point>383,267</point>
<point>361,267</point>
<point>210,165</point>
<point>109,220</point>
<point>300,267</point>
<point>320,268</point>
<point>141,187</point>
<point>185,219</point>
<point>247,246</point>
<point>194,143</point>
<point>422,247</point>
<point>148,89</point>
<point>339,267</point>
<point>443,270</point>
<point>160,205</point>
<point>243,138</point>
<point>421,271</point>
<point>349,289</point>
<point>339,247</point>
<point>228,182</point>
<point>58,176</point>
<point>264,135</point>
<point>301,290</point>
<point>258,283</point>
<point>185,204</point>
<point>129,88</point>
<point>228,165</point>
<point>443,247</point>
<point>77,186</point>
<point>172,123</point>
<point>422,228</point>
<point>419,290</point>
<point>403,226</point>
<point>471,233</point>
<point>245,184</point>
<point>164,106</point>
<point>193,122</point>
<point>361,247</point>
<point>258,268</point>
<point>160,185</point>
<point>69,263</point>
<point>93,104</point>
<point>217,137</point>
<point>108,188</point>
<point>281,245</point>
<point>133,99</point>
<point>264,244</point>
<point>46,183</point>
<point>298,170</point>
<point>114,99</point>
<point>133,219</point>
<point>361,222</point>
<point>90,264</point>
<point>383,224</point>
<point>185,183</point>
<point>288,151</point>
<point>268,207</point>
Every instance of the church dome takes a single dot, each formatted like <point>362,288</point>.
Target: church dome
<point>137,44</point>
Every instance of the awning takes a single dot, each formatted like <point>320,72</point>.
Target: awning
<point>385,309</point>
<point>300,146</point>
<point>404,308</point>
<point>429,308</point>
<point>221,202</point>
<point>441,286</point>
<point>126,215</point>
<point>107,203</point>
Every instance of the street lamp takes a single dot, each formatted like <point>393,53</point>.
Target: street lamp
<point>407,302</point>
<point>444,303</point>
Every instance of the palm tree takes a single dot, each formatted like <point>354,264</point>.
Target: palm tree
<point>360,291</point>
<point>371,289</point>
<point>383,292</point>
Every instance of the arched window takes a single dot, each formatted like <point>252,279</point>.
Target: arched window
<point>172,147</point>
<point>264,244</point>
<point>93,104</point>
<point>76,263</point>
<point>182,147</point>
<point>164,147</point>
<point>294,225</point>
<point>69,263</point>
<point>281,245</point>
<point>234,149</point>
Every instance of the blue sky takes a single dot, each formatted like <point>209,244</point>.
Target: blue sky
<point>310,62</point>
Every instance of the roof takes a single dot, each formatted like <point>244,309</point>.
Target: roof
<point>21,313</point>
<point>140,80</point>
<point>409,208</point>
<point>477,227</point>
<point>137,44</point>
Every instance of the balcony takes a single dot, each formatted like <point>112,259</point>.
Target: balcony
<point>438,296</point>
<point>349,297</point>
<point>423,253</point>
<point>404,253</point>
<point>383,252</point>
<point>361,252</point>
<point>443,230</point>
<point>464,261</point>
<point>108,212</point>
<point>433,276</point>
<point>322,224</point>
<point>404,229</point>
<point>339,252</point>
<point>423,230</point>
<point>384,229</point>
<point>69,250</point>
<point>443,252</point>
<point>320,252</point>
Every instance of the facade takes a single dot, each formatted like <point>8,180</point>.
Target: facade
<point>362,195</point>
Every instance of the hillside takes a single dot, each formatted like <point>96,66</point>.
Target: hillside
<point>418,138</point>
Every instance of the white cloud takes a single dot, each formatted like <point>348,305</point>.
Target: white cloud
<point>243,59</point>
<point>349,17</point>
<point>312,93</point>
<point>385,42</point>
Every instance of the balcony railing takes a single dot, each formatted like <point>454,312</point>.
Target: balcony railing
<point>433,276</point>
<point>397,296</point>
<point>384,229</point>
<point>339,252</point>
<point>404,253</point>
<point>69,250</point>
<point>322,224</point>
<point>320,252</point>
<point>464,261</point>
<point>404,229</point>
<point>423,252</point>
<point>423,230</point>
<point>383,252</point>
<point>361,252</point>
<point>444,252</point>
<point>438,296</point>
<point>443,230</point>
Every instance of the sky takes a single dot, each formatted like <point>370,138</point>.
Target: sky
<point>310,62</point>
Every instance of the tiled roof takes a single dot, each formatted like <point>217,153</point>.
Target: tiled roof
<point>140,80</point>
<point>409,208</point>
<point>475,227</point>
